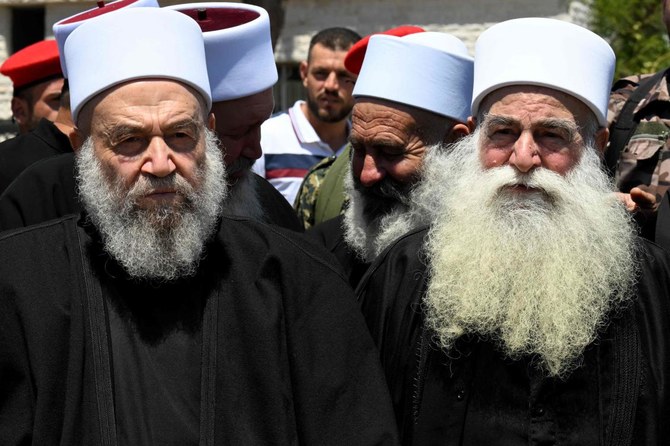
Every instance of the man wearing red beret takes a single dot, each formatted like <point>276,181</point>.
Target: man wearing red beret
<point>40,107</point>
<point>37,80</point>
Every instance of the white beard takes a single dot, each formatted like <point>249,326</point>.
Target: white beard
<point>243,199</point>
<point>538,275</point>
<point>162,243</point>
<point>368,237</point>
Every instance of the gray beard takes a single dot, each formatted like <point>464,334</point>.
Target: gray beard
<point>368,236</point>
<point>162,243</point>
<point>243,199</point>
<point>537,274</point>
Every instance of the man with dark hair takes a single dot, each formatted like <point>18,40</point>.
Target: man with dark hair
<point>318,127</point>
<point>37,80</point>
<point>38,83</point>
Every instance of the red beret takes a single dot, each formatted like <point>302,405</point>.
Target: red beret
<point>353,61</point>
<point>33,64</point>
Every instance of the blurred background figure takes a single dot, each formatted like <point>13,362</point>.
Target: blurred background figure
<point>317,127</point>
<point>37,80</point>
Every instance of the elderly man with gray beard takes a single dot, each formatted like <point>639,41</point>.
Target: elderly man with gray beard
<point>242,71</point>
<point>154,319</point>
<point>529,313</point>
<point>402,121</point>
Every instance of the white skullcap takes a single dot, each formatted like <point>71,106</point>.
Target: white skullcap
<point>63,28</point>
<point>427,70</point>
<point>136,43</point>
<point>238,45</point>
<point>545,52</point>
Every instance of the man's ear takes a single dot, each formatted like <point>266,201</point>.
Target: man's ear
<point>602,137</point>
<point>76,139</point>
<point>211,121</point>
<point>458,131</point>
<point>472,123</point>
<point>304,68</point>
<point>20,111</point>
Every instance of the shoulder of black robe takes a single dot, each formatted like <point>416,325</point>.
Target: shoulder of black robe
<point>391,295</point>
<point>330,235</point>
<point>21,151</point>
<point>277,210</point>
<point>294,361</point>
<point>44,191</point>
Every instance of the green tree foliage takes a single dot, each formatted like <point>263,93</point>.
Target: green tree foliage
<point>635,30</point>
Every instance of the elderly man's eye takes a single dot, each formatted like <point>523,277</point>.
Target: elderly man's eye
<point>129,140</point>
<point>181,140</point>
<point>554,136</point>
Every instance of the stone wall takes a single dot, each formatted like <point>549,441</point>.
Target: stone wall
<point>464,19</point>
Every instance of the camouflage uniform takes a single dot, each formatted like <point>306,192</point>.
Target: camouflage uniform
<point>645,160</point>
<point>305,201</point>
<point>321,196</point>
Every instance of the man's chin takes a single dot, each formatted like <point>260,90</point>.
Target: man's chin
<point>236,175</point>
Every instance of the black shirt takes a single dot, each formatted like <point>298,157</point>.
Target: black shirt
<point>23,150</point>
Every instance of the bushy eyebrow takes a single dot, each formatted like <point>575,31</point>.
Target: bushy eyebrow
<point>121,130</point>
<point>563,125</point>
<point>185,124</point>
<point>375,143</point>
<point>498,121</point>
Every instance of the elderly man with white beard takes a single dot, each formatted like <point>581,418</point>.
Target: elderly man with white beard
<point>153,319</point>
<point>529,313</point>
<point>402,121</point>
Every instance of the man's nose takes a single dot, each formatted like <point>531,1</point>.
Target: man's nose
<point>332,82</point>
<point>158,161</point>
<point>371,172</point>
<point>525,155</point>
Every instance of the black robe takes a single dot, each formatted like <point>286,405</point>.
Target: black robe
<point>474,396</point>
<point>19,152</point>
<point>286,356</point>
<point>47,190</point>
<point>330,234</point>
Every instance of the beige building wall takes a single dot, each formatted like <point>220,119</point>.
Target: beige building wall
<point>464,19</point>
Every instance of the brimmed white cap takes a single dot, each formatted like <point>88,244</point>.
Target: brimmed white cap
<point>136,43</point>
<point>238,45</point>
<point>427,70</point>
<point>63,28</point>
<point>545,52</point>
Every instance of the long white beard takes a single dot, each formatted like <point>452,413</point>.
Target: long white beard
<point>368,237</point>
<point>538,275</point>
<point>161,243</point>
<point>243,199</point>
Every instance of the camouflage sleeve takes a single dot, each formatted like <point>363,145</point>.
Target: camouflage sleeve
<point>305,201</point>
<point>621,91</point>
<point>645,159</point>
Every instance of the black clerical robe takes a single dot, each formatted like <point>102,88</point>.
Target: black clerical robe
<point>330,235</point>
<point>47,189</point>
<point>286,357</point>
<point>19,152</point>
<point>475,396</point>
